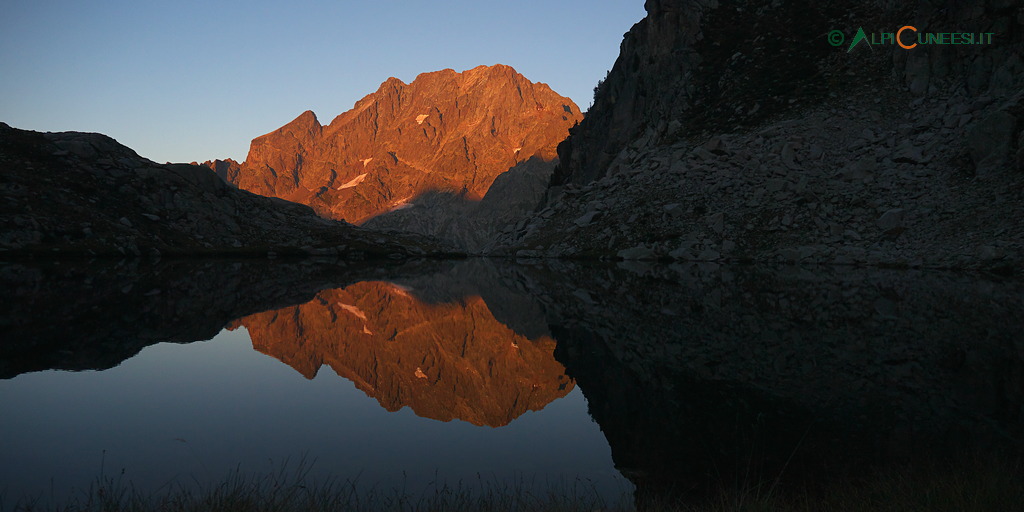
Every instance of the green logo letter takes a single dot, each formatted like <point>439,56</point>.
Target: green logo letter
<point>861,36</point>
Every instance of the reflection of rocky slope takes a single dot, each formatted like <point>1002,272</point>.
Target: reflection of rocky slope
<point>93,315</point>
<point>84,193</point>
<point>702,376</point>
<point>444,132</point>
<point>725,130</point>
<point>445,360</point>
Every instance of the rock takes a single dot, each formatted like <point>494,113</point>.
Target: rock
<point>908,153</point>
<point>704,154</point>
<point>674,209</point>
<point>77,147</point>
<point>1020,152</point>
<point>684,251</point>
<point>789,255</point>
<point>774,185</point>
<point>715,146</point>
<point>709,255</point>
<point>587,218</point>
<point>788,155</point>
<point>989,142</point>
<point>990,253</point>
<point>861,169</point>
<point>717,222</point>
<point>891,222</point>
<point>584,296</point>
<point>885,308</point>
<point>639,252</point>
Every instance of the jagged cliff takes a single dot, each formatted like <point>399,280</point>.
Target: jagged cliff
<point>445,360</point>
<point>734,130</point>
<point>445,132</point>
<point>693,68</point>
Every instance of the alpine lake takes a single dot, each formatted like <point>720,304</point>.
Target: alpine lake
<point>631,385</point>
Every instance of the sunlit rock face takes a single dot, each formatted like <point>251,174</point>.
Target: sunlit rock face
<point>445,131</point>
<point>445,361</point>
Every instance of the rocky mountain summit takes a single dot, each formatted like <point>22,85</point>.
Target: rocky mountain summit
<point>444,133</point>
<point>84,194</point>
<point>734,131</point>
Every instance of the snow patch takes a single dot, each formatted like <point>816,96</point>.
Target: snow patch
<point>401,204</point>
<point>400,290</point>
<point>354,310</point>
<point>355,181</point>
<point>366,330</point>
<point>419,373</point>
<point>366,161</point>
<point>421,117</point>
<point>516,150</point>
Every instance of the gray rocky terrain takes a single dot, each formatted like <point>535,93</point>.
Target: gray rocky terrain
<point>707,143</point>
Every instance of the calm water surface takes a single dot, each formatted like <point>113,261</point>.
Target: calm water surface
<point>634,379</point>
<point>202,409</point>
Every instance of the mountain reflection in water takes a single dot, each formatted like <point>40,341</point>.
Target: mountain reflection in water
<point>446,361</point>
<point>700,377</point>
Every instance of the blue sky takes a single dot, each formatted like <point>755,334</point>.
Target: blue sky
<point>196,80</point>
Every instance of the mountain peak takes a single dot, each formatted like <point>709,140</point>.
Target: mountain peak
<point>307,117</point>
<point>445,131</point>
<point>494,69</point>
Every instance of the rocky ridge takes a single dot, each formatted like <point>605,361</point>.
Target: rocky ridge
<point>445,132</point>
<point>84,194</point>
<point>700,147</point>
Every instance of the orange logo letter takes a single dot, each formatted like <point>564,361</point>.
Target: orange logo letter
<point>899,40</point>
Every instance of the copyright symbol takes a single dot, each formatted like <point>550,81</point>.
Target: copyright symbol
<point>836,37</point>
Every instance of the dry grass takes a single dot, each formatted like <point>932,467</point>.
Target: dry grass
<point>977,486</point>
